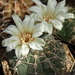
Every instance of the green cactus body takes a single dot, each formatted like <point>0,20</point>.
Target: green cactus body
<point>54,56</point>
<point>68,31</point>
<point>49,61</point>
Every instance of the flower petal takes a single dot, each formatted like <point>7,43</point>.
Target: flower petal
<point>25,49</point>
<point>51,6</point>
<point>9,32</point>
<point>35,9</point>
<point>13,41</point>
<point>18,51</point>
<point>44,9</point>
<point>61,5</point>
<point>9,48</point>
<point>38,29</point>
<point>28,22</point>
<point>5,42</point>
<point>18,22</point>
<point>57,24</point>
<point>61,18</point>
<point>49,28</point>
<point>64,9</point>
<point>35,46</point>
<point>37,2</point>
<point>39,10</point>
<point>68,15</point>
<point>12,30</point>
<point>31,22</point>
<point>25,22</point>
<point>40,41</point>
<point>61,11</point>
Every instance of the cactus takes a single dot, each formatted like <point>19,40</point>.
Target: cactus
<point>68,31</point>
<point>49,61</point>
<point>19,7</point>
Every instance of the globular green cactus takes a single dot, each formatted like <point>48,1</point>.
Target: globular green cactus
<point>49,61</point>
<point>68,31</point>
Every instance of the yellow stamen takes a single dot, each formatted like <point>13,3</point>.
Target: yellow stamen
<point>48,17</point>
<point>26,38</point>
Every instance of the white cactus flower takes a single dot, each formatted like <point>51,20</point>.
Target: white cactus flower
<point>24,36</point>
<point>52,14</point>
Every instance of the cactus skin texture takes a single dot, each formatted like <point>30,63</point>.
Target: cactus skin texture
<point>68,31</point>
<point>19,7</point>
<point>49,61</point>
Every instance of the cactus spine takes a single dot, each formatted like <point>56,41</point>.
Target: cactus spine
<point>49,61</point>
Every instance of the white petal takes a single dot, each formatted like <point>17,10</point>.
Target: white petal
<point>25,22</point>
<point>20,27</point>
<point>28,22</point>
<point>51,6</point>
<point>64,9</point>
<point>35,9</point>
<point>13,44</point>
<point>12,30</point>
<point>54,2</point>
<point>37,2</point>
<point>16,43</point>
<point>14,38</point>
<point>61,5</point>
<point>40,41</point>
<point>33,16</point>
<point>31,22</point>
<point>68,15</point>
<point>38,29</point>
<point>9,48</point>
<point>35,46</point>
<point>25,49</point>
<point>61,11</point>
<point>44,9</point>
<point>9,32</point>
<point>39,10</point>
<point>60,17</point>
<point>18,51</point>
<point>39,17</point>
<point>18,22</point>
<point>49,28</point>
<point>10,40</point>
<point>57,24</point>
<point>13,41</point>
<point>5,42</point>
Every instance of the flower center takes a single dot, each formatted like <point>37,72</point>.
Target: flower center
<point>48,17</point>
<point>26,38</point>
